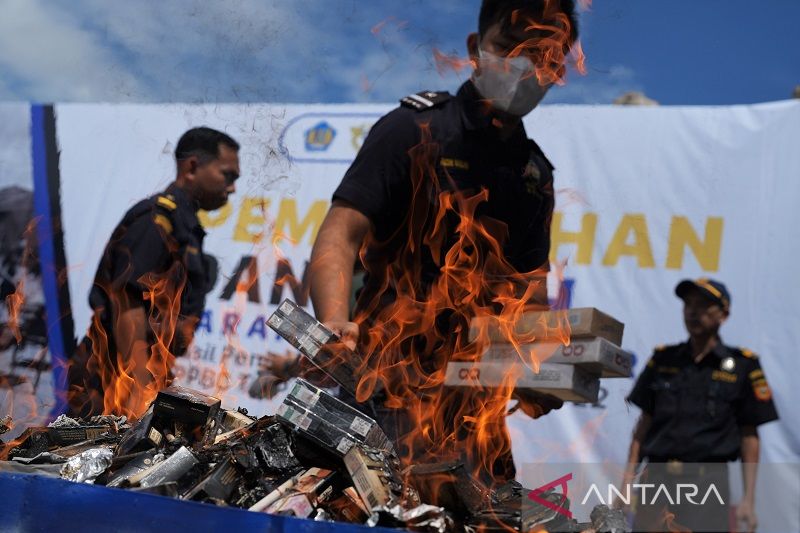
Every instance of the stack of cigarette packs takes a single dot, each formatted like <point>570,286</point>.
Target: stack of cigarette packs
<point>561,353</point>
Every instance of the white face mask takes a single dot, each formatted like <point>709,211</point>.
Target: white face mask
<point>510,84</point>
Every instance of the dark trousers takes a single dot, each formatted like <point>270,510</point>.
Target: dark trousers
<point>84,387</point>
<point>658,514</point>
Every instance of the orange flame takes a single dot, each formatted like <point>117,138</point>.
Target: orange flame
<point>14,303</point>
<point>550,45</point>
<point>445,62</point>
<point>407,343</point>
<point>378,28</point>
<point>131,377</point>
<point>16,299</point>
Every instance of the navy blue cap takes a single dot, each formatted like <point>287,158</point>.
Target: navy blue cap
<point>709,287</point>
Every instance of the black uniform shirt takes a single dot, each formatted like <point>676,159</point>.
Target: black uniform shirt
<point>159,240</point>
<point>698,408</point>
<point>412,155</point>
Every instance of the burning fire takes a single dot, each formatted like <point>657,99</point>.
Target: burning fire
<point>16,300</point>
<point>131,377</point>
<point>14,303</point>
<point>549,47</point>
<point>407,344</point>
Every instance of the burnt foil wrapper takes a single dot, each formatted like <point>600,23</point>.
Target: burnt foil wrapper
<point>44,458</point>
<point>63,421</point>
<point>322,516</point>
<point>86,466</point>
<point>109,420</point>
<point>420,518</point>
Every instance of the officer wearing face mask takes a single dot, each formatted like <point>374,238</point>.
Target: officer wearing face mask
<point>470,143</point>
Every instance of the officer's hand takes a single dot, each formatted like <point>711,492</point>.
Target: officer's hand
<point>283,367</point>
<point>184,335</point>
<point>347,331</point>
<point>746,516</point>
<point>536,404</point>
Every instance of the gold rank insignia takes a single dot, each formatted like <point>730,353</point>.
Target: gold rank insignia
<point>727,377</point>
<point>450,162</point>
<point>164,222</point>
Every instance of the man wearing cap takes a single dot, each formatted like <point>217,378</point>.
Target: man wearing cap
<point>701,402</point>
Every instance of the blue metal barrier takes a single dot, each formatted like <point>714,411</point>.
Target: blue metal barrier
<point>38,503</point>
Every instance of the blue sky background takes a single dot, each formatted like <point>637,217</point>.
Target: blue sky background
<point>677,52</point>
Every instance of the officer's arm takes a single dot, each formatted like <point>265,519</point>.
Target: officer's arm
<point>331,270</point>
<point>641,429</point>
<point>634,452</point>
<point>130,333</point>
<point>750,453</point>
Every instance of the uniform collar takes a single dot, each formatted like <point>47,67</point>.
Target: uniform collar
<point>187,207</point>
<point>720,351</point>
<point>474,112</point>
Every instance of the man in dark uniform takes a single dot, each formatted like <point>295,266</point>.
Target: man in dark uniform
<point>701,402</point>
<point>149,291</point>
<point>447,191</point>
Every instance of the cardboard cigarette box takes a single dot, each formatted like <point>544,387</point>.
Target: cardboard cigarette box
<point>348,507</point>
<point>186,406</point>
<point>334,439</point>
<point>141,437</point>
<point>567,382</point>
<point>315,482</point>
<point>64,436</point>
<point>218,484</point>
<point>232,420</point>
<point>336,412</point>
<point>551,325</point>
<point>294,504</point>
<point>309,336</point>
<point>595,355</point>
<point>370,476</point>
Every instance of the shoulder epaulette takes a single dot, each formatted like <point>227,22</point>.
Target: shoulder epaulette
<point>747,353</point>
<point>425,100</point>
<point>167,200</point>
<point>665,350</point>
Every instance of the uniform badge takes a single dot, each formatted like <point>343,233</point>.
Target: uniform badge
<point>761,390</point>
<point>728,364</point>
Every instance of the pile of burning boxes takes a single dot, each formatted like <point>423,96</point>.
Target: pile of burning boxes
<point>317,458</point>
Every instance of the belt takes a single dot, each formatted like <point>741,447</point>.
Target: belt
<point>676,467</point>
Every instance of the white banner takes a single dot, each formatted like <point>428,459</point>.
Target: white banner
<point>646,197</point>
